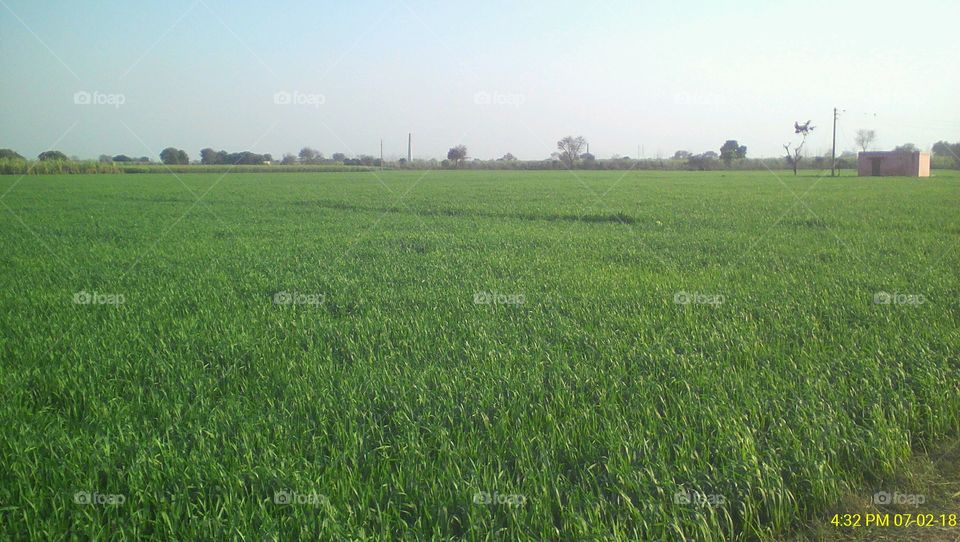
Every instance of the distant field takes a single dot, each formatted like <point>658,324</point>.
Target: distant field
<point>467,355</point>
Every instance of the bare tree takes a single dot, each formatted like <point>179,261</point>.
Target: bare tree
<point>794,156</point>
<point>864,138</point>
<point>570,148</point>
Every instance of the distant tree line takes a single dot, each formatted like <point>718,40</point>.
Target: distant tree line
<point>50,163</point>
<point>570,154</point>
<point>708,161</point>
<point>124,159</point>
<point>311,156</point>
<point>210,157</point>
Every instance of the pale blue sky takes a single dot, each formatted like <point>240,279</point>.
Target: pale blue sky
<point>497,76</point>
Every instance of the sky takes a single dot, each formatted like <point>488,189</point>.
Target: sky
<point>648,77</point>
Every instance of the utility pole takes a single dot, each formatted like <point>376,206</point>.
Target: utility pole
<point>409,147</point>
<point>381,154</point>
<point>833,153</point>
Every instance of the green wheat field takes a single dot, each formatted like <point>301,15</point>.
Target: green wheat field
<point>467,355</point>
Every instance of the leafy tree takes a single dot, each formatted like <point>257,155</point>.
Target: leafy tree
<point>457,155</point>
<point>362,160</point>
<point>171,156</point>
<point>948,150</point>
<point>732,150</point>
<point>847,160</point>
<point>864,138</point>
<point>288,159</point>
<point>703,162</point>
<point>209,156</point>
<point>245,158</point>
<point>940,148</point>
<point>310,156</point>
<point>682,155</point>
<point>122,158</point>
<point>339,157</point>
<point>587,157</point>
<point>794,156</point>
<point>10,154</point>
<point>47,156</point>
<point>508,157</point>
<point>906,147</point>
<point>105,159</point>
<point>570,148</point>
